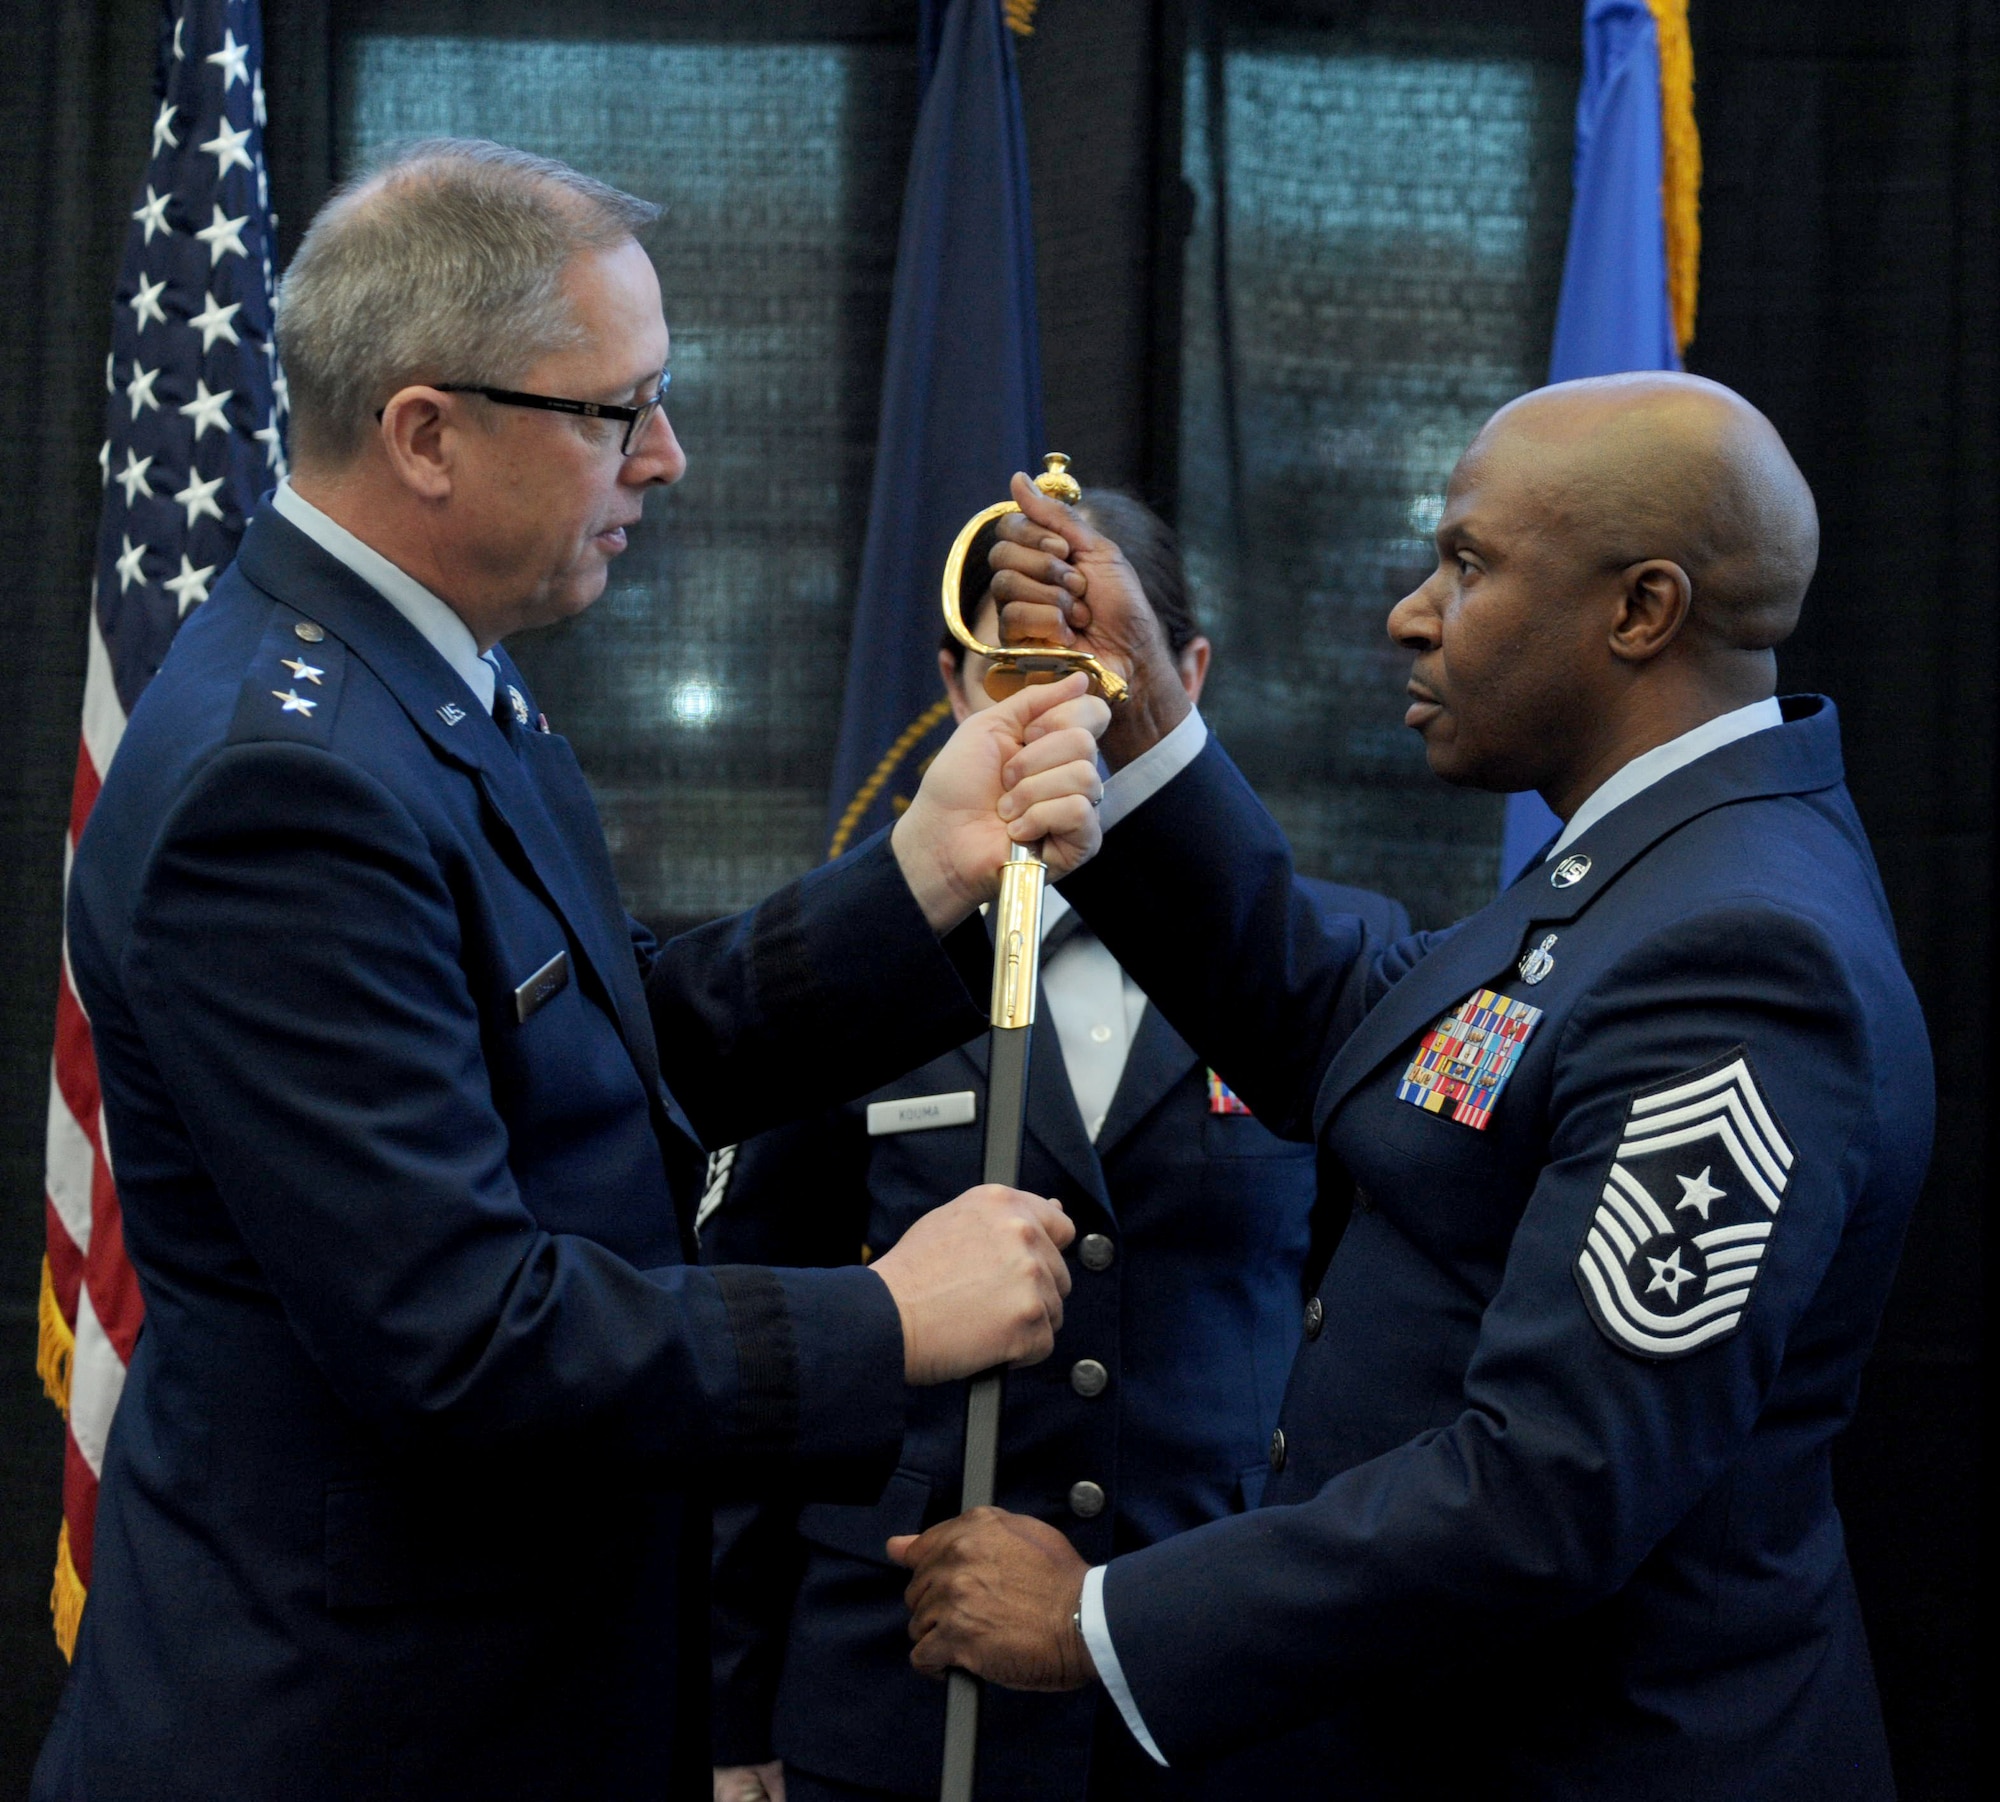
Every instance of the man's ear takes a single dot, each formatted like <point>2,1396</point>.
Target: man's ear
<point>1192,661</point>
<point>1654,605</point>
<point>952,673</point>
<point>418,429</point>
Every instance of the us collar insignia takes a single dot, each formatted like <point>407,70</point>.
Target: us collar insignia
<point>1467,1057</point>
<point>1570,871</point>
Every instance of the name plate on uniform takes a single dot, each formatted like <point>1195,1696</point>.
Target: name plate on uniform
<point>546,983</point>
<point>919,1113</point>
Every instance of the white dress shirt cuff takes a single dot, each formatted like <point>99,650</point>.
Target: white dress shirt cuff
<point>1096,1629</point>
<point>1143,778</point>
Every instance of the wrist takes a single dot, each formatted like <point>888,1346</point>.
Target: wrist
<point>1158,704</point>
<point>932,882</point>
<point>1076,1658</point>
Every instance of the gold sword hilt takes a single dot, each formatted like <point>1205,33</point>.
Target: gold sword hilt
<point>1017,938</point>
<point>1015,667</point>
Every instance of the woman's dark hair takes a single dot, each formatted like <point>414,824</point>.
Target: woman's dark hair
<point>1150,547</point>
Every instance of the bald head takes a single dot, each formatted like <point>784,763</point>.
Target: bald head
<point>1626,468</point>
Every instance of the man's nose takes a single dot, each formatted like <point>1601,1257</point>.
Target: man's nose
<point>657,460</point>
<point>1413,621</point>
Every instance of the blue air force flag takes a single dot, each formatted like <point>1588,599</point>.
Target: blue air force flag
<point>1671,1256</point>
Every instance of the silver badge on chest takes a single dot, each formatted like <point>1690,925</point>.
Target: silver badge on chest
<point>1537,963</point>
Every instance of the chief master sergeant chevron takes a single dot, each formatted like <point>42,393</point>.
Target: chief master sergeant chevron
<point>407,1495</point>
<point>1551,1511</point>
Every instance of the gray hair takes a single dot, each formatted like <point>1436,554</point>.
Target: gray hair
<point>442,264</point>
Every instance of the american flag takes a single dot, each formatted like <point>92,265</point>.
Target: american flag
<point>193,438</point>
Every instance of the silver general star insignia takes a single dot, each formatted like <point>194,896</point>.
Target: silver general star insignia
<point>1689,1204</point>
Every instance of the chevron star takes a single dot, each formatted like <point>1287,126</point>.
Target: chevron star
<point>152,214</point>
<point>1698,1192</point>
<point>224,237</point>
<point>294,702</point>
<point>145,304</point>
<point>206,409</point>
<point>132,478</point>
<point>230,59</point>
<point>213,321</point>
<point>198,497</point>
<point>131,563</point>
<point>1667,1271</point>
<point>163,127</point>
<point>274,447</point>
<point>227,148</point>
<point>139,390</point>
<point>190,587</point>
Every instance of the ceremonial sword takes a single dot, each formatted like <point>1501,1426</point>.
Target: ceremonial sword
<point>1017,957</point>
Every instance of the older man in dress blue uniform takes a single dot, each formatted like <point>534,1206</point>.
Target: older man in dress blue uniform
<point>1195,1232</point>
<point>407,1494</point>
<point>1551,1509</point>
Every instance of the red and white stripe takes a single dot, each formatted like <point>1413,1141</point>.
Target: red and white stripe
<point>94,1287</point>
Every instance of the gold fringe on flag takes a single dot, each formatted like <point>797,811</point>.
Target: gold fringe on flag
<point>895,754</point>
<point>55,1344</point>
<point>1680,174</point>
<point>66,1598</point>
<point>1021,17</point>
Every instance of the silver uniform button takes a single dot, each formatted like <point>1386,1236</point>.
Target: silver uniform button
<point>1086,1500</point>
<point>1315,1317</point>
<point>1088,1377</point>
<point>311,633</point>
<point>1277,1450</point>
<point>1094,1251</point>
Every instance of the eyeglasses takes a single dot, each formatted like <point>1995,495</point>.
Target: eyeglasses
<point>635,419</point>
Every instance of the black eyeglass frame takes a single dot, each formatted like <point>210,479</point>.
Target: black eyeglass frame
<point>634,419</point>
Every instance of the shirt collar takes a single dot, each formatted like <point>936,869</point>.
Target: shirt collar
<point>1661,761</point>
<point>442,629</point>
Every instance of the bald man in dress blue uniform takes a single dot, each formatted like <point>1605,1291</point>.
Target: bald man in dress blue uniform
<point>1634,1148</point>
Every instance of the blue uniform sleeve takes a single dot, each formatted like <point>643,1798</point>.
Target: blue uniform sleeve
<point>795,1196</point>
<point>1249,966</point>
<point>294,963</point>
<point>1719,1078</point>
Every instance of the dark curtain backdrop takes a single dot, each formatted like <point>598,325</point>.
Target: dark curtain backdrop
<point>1849,283</point>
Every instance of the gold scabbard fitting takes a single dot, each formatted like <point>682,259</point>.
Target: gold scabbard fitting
<point>1017,939</point>
<point>1015,667</point>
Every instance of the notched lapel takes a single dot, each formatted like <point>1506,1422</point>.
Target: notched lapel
<point>1053,1122</point>
<point>1159,1058</point>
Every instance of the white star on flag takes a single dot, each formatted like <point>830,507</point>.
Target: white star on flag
<point>1698,1192</point>
<point>153,214</point>
<point>131,563</point>
<point>230,60</point>
<point>223,236</point>
<point>213,322</point>
<point>132,478</point>
<point>145,304</point>
<point>178,23</point>
<point>206,409</point>
<point>257,98</point>
<point>163,129</point>
<point>267,436</point>
<point>104,463</point>
<point>139,390</point>
<point>294,702</point>
<point>227,148</point>
<point>198,497</point>
<point>191,585</point>
<point>281,390</point>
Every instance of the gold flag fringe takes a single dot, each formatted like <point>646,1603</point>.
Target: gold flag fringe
<point>866,793</point>
<point>66,1598</point>
<point>1021,17</point>
<point>1680,173</point>
<point>55,1344</point>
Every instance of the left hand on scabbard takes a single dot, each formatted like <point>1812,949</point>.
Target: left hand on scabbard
<point>1023,771</point>
<point>996,1594</point>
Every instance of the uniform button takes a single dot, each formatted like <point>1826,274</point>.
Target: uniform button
<point>1088,1377</point>
<point>1086,1500</point>
<point>311,633</point>
<point>1277,1451</point>
<point>1315,1317</point>
<point>1095,1252</point>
